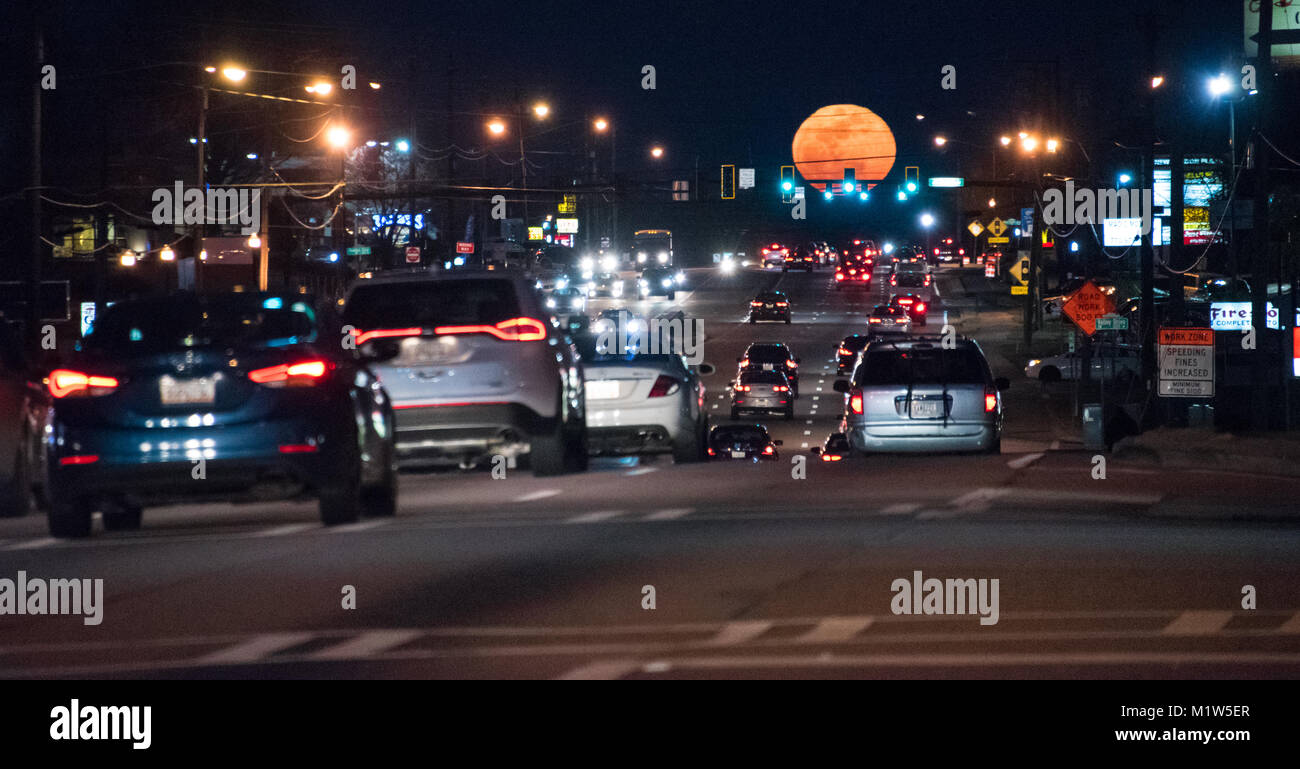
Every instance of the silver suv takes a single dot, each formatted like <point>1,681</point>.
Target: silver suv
<point>480,368</point>
<point>915,395</point>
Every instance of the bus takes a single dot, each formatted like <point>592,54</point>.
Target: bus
<point>652,248</point>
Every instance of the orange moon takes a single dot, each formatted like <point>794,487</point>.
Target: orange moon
<point>840,136</point>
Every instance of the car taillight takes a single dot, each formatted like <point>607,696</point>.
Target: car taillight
<point>831,457</point>
<point>936,252</point>
<point>769,449</point>
<point>512,330</point>
<point>873,320</point>
<point>865,276</point>
<point>920,307</point>
<point>839,276</point>
<point>893,281</point>
<point>303,374</point>
<point>62,383</point>
<point>792,364</point>
<point>743,388</point>
<point>781,388</point>
<point>961,252</point>
<point>855,401</point>
<point>842,351</point>
<point>782,304</point>
<point>927,280</point>
<point>904,301</point>
<point>712,453</point>
<point>664,385</point>
<point>365,336</point>
<point>744,362</point>
<point>80,459</point>
<point>756,304</point>
<point>990,400</point>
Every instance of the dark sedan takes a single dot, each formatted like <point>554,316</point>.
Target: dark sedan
<point>236,397</point>
<point>742,442</point>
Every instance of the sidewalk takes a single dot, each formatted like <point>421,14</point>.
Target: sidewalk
<point>1271,454</point>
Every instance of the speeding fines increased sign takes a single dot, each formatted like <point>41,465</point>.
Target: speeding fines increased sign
<point>1186,362</point>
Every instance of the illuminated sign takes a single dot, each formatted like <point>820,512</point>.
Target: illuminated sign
<point>566,226</point>
<point>385,220</point>
<point>1236,316</point>
<point>1124,232</point>
<point>535,233</point>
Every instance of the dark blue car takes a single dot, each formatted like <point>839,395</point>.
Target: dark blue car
<point>236,397</point>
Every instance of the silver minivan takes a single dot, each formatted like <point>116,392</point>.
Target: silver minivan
<point>916,395</point>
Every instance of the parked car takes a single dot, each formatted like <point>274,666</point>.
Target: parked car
<point>24,405</point>
<point>229,397</point>
<point>1108,362</point>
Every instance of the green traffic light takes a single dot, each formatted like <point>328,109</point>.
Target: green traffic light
<point>911,186</point>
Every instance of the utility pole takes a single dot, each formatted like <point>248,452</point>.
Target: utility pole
<point>1146,254</point>
<point>203,172</point>
<point>1262,375</point>
<point>34,193</point>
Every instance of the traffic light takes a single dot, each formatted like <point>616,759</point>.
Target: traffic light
<point>728,182</point>
<point>787,184</point>
<point>850,183</point>
<point>912,179</point>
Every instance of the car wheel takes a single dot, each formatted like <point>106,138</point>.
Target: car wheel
<point>340,501</point>
<point>787,321</point>
<point>562,451</point>
<point>735,414</point>
<point>996,447</point>
<point>1049,374</point>
<point>19,499</point>
<point>672,295</point>
<point>751,319</point>
<point>690,448</point>
<point>380,501</point>
<point>121,516</point>
<point>70,517</point>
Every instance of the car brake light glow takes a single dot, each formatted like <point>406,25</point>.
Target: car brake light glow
<point>712,453</point>
<point>855,401</point>
<point>743,388</point>
<point>298,448</point>
<point>782,304</point>
<point>961,252</point>
<point>664,385</point>
<point>62,383</point>
<point>839,276</point>
<point>873,320</point>
<point>304,373</point>
<point>893,280</point>
<point>927,280</point>
<point>936,252</point>
<point>842,351</point>
<point>744,362</point>
<point>990,400</point>
<point>769,449</point>
<point>365,336</point>
<point>755,303</point>
<point>920,307</point>
<point>512,330</point>
<point>906,300</point>
<point>831,457</point>
<point>781,388</point>
<point>81,459</point>
<point>792,363</point>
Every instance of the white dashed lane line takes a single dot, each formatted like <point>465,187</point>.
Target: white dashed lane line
<point>669,514</point>
<point>596,517</point>
<point>533,496</point>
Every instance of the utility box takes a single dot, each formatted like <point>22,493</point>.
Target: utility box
<point>1094,427</point>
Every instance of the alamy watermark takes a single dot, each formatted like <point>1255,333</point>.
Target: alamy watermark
<point>657,336</point>
<point>946,596</point>
<point>1087,206</point>
<point>54,596</point>
<point>220,205</point>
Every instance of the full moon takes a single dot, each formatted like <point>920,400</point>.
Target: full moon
<point>840,136</point>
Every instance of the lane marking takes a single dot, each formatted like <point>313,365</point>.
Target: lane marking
<point>1025,461</point>
<point>32,544</point>
<point>349,528</point>
<point>739,632</point>
<point>254,649</point>
<point>605,670</point>
<point>1197,622</point>
<point>367,644</point>
<point>644,470</point>
<point>1291,626</point>
<point>835,630</point>
<point>900,508</point>
<point>595,517</point>
<point>669,514</point>
<point>280,531</point>
<point>533,496</point>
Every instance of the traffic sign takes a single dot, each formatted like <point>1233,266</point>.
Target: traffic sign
<point>947,181</point>
<point>463,247</point>
<point>997,227</point>
<point>1112,323</point>
<point>359,251</point>
<point>746,178</point>
<point>975,227</point>
<point>1086,305</point>
<point>999,241</point>
<point>412,254</point>
<point>1020,271</point>
<point>1020,290</point>
<point>1186,357</point>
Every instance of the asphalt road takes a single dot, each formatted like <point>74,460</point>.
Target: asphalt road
<point>754,572</point>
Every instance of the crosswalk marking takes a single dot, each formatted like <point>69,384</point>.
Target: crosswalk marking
<point>255,649</point>
<point>1198,623</point>
<point>835,629</point>
<point>367,644</point>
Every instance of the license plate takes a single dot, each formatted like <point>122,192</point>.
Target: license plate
<point>769,366</point>
<point>602,389</point>
<point>927,409</point>
<point>768,306</point>
<point>182,392</point>
<point>737,455</point>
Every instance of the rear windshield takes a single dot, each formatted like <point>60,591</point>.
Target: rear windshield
<point>203,322</point>
<point>738,433</point>
<point>432,303</point>
<point>855,342</point>
<point>770,297</point>
<point>594,349</point>
<point>911,279</point>
<point>925,366</point>
<point>768,353</point>
<point>886,312</point>
<point>762,377</point>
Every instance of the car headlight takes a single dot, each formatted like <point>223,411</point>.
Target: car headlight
<point>587,263</point>
<point>550,303</point>
<point>728,266</point>
<point>608,264</point>
<point>681,278</point>
<point>1034,362</point>
<point>668,282</point>
<point>662,256</point>
<point>640,257</point>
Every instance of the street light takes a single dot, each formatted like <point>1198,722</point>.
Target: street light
<point>927,220</point>
<point>1125,178</point>
<point>1006,141</point>
<point>320,88</point>
<point>1028,143</point>
<point>601,124</point>
<point>403,145</point>
<point>993,202</point>
<point>541,110</point>
<point>254,241</point>
<point>1219,85</point>
<point>939,141</point>
<point>656,152</point>
<point>128,258</point>
<point>234,74</point>
<point>167,254</point>
<point>496,126</point>
<point>1052,144</point>
<point>338,137</point>
<point>1157,81</point>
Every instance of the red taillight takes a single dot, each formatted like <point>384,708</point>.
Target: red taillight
<point>712,453</point>
<point>920,307</point>
<point>842,351</point>
<point>513,330</point>
<point>961,252</point>
<point>905,301</point>
<point>927,280</point>
<point>873,320</point>
<point>81,459</point>
<point>990,400</point>
<point>664,385</point>
<point>792,364</point>
<point>298,448</point>
<point>831,457</point>
<point>936,252</point>
<point>769,449</point>
<point>855,401</point>
<point>304,373</point>
<point>755,304</point>
<point>839,276</point>
<point>744,362</point>
<point>782,304</point>
<point>743,388</point>
<point>365,336</point>
<point>781,388</point>
<point>62,383</point>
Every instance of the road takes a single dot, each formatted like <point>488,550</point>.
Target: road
<point>755,572</point>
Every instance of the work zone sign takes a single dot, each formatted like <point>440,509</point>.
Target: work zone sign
<point>1186,359</point>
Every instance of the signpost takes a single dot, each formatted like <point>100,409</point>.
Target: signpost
<point>996,229</point>
<point>1086,305</point>
<point>412,254</point>
<point>975,227</point>
<point>462,247</point>
<point>1186,359</point>
<point>1020,270</point>
<point>746,178</point>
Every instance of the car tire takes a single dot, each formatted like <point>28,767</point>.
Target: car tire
<point>787,321</point>
<point>380,500</point>
<point>562,451</point>
<point>691,447</point>
<point>752,320</point>
<point>70,518</point>
<point>1049,374</point>
<point>340,501</point>
<point>121,516</point>
<point>995,447</point>
<point>19,498</point>
<point>735,414</point>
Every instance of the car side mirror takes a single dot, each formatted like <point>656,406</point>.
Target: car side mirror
<point>840,386</point>
<point>705,369</point>
<point>778,442</point>
<point>816,451</point>
<point>1002,383</point>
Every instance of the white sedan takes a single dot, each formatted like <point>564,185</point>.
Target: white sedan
<point>1107,363</point>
